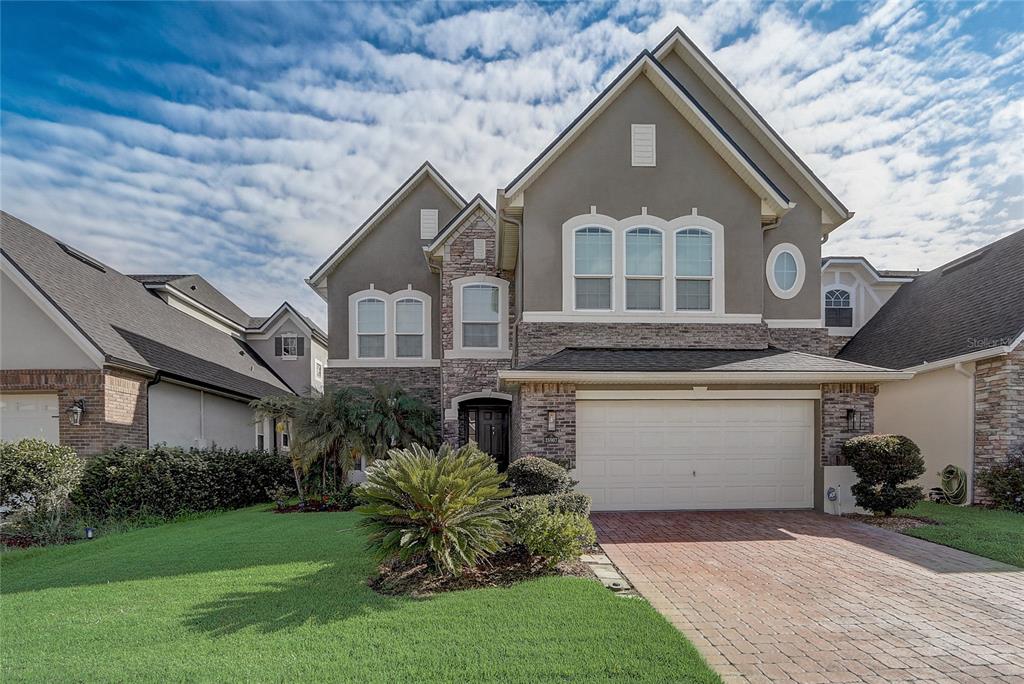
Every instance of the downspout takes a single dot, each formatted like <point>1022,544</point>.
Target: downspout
<point>149,385</point>
<point>969,374</point>
<point>520,291</point>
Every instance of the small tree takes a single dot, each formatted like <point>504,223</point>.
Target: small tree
<point>884,464</point>
<point>329,435</point>
<point>396,419</point>
<point>280,409</point>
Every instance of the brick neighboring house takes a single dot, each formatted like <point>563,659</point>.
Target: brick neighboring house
<point>959,329</point>
<point>641,303</point>
<point>93,358</point>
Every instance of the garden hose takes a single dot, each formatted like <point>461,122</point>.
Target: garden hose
<point>954,484</point>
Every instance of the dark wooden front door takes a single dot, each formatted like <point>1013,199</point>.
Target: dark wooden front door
<point>487,425</point>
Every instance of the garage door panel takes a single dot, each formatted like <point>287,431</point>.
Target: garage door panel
<point>665,454</point>
<point>35,416</point>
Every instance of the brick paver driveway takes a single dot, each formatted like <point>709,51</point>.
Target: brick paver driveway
<point>801,596</point>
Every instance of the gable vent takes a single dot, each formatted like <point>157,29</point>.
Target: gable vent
<point>428,224</point>
<point>643,144</point>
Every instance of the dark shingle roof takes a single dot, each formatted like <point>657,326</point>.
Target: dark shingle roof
<point>685,360</point>
<point>131,326</point>
<point>199,289</point>
<point>972,303</point>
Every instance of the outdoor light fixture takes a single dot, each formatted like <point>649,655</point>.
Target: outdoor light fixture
<point>852,420</point>
<point>75,411</point>
<point>89,531</point>
<point>551,420</point>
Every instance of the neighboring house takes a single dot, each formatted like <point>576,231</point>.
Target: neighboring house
<point>642,303</point>
<point>148,359</point>
<point>959,329</point>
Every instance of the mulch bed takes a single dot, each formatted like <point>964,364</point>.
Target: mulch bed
<point>502,570</point>
<point>896,523</point>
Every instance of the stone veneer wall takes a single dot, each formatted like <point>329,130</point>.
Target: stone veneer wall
<point>998,412</point>
<point>836,343</point>
<point>836,399</point>
<point>810,340</point>
<point>535,439</point>
<point>536,341</point>
<point>465,376</point>
<point>116,405</point>
<point>424,382</point>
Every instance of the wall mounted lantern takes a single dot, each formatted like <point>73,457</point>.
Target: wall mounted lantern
<point>75,411</point>
<point>852,420</point>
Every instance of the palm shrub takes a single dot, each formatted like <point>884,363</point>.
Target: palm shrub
<point>883,465</point>
<point>396,419</point>
<point>328,436</point>
<point>443,508</point>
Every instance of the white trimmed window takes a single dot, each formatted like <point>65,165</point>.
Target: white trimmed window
<point>481,315</point>
<point>318,367</point>
<point>428,224</point>
<point>409,326</point>
<point>785,270</point>
<point>644,269</point>
<point>643,144</point>
<point>371,328</point>
<point>695,269</point>
<point>593,272</point>
<point>838,309</point>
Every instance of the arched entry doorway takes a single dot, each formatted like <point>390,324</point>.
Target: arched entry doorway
<point>485,421</point>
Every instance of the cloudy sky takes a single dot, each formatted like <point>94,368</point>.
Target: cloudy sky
<point>245,141</point>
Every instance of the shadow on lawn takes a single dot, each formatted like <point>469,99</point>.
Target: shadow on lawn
<point>331,594</point>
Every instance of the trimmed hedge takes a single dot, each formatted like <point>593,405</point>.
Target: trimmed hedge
<point>554,536</point>
<point>883,465</point>
<point>534,475</point>
<point>33,469</point>
<point>168,481</point>
<point>569,502</point>
<point>1004,482</point>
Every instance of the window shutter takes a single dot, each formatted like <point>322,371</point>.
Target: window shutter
<point>277,346</point>
<point>643,144</point>
<point>428,224</point>
<point>302,347</point>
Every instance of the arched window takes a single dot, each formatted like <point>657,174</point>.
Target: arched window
<point>371,328</point>
<point>481,315</point>
<point>838,309</point>
<point>785,270</point>
<point>694,269</point>
<point>409,326</point>
<point>643,269</point>
<point>592,274</point>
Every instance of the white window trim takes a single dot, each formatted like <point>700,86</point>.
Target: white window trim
<point>593,276</point>
<point>424,324</point>
<point>390,343</point>
<point>801,270</point>
<point>714,278</point>
<point>835,329</point>
<point>289,336</point>
<point>618,312</point>
<point>627,277</point>
<point>318,370</point>
<point>460,352</point>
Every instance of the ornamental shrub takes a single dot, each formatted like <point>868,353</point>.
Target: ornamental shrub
<point>36,481</point>
<point>444,508</point>
<point>554,536</point>
<point>569,502</point>
<point>883,465</point>
<point>1004,482</point>
<point>534,475</point>
<point>165,482</point>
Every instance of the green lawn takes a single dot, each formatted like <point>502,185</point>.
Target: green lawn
<point>994,534</point>
<point>250,595</point>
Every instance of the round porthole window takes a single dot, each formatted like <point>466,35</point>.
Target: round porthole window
<point>785,270</point>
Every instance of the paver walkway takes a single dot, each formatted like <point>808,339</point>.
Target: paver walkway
<point>806,597</point>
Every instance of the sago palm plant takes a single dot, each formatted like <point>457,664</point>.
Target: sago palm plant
<point>445,508</point>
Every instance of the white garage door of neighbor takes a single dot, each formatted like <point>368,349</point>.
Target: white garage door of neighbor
<point>700,454</point>
<point>29,415</point>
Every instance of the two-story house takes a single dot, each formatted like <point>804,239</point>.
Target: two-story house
<point>642,302</point>
<point>95,358</point>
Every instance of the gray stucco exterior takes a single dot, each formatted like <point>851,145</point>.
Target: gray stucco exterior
<point>390,257</point>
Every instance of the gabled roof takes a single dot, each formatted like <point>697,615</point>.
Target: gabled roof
<point>126,324</point>
<point>426,169</point>
<point>688,107</point>
<point>195,287</point>
<point>883,276</point>
<point>731,97</point>
<point>263,323</point>
<point>971,306</point>
<point>451,228</point>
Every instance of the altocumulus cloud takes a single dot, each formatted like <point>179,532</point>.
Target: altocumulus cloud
<point>245,142</point>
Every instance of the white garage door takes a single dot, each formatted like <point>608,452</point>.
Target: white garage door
<point>700,454</point>
<point>29,415</point>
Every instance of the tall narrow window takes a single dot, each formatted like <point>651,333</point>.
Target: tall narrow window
<point>643,269</point>
<point>593,268</point>
<point>370,328</point>
<point>409,329</point>
<point>694,269</point>
<point>838,309</point>
<point>480,316</point>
